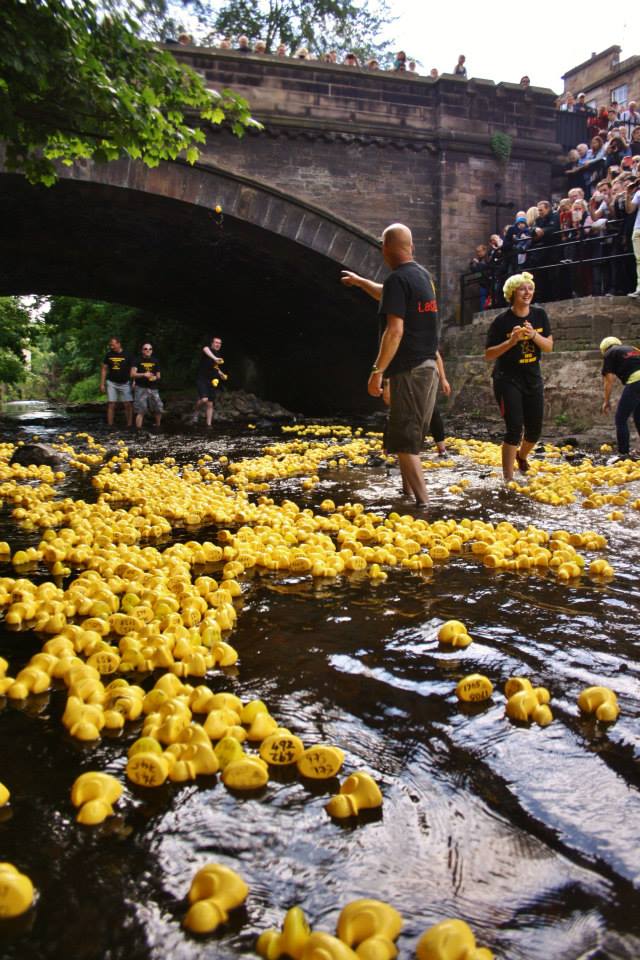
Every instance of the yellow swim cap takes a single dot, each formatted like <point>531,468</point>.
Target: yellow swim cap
<point>609,342</point>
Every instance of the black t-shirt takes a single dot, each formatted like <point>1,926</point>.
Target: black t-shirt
<point>409,293</point>
<point>147,365</point>
<point>208,369</point>
<point>522,362</point>
<point>622,360</point>
<point>118,366</point>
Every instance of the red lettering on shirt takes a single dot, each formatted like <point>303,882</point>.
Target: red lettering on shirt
<point>427,306</point>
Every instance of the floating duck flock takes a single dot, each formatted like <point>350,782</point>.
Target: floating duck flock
<point>118,603</point>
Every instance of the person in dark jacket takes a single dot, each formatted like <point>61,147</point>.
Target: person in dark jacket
<point>542,256</point>
<point>516,244</point>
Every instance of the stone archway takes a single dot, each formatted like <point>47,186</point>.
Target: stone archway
<point>268,272</point>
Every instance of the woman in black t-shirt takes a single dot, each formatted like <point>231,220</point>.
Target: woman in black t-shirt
<point>515,340</point>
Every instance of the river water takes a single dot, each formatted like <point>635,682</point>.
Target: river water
<point>528,833</point>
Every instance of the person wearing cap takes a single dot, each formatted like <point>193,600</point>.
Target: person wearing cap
<point>621,361</point>
<point>515,341</point>
<point>517,241</point>
<point>580,106</point>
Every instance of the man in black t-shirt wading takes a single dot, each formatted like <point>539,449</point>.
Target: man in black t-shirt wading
<point>407,354</point>
<point>145,374</point>
<point>115,381</point>
<point>621,361</point>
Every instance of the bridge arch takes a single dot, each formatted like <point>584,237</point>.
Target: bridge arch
<point>265,273</point>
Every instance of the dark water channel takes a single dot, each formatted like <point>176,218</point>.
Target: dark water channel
<point>529,834</point>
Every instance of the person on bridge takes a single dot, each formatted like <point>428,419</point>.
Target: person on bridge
<point>623,362</point>
<point>407,352</point>
<point>515,340</point>
<point>145,374</point>
<point>208,378</point>
<point>115,381</point>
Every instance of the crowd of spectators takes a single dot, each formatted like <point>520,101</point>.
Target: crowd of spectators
<point>581,244</point>
<point>401,63</point>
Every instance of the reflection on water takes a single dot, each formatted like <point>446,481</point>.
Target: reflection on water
<point>528,833</point>
<point>26,410</point>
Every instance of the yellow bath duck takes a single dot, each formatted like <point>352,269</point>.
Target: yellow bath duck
<point>454,633</point>
<point>290,941</point>
<point>451,940</point>
<point>95,793</point>
<point>525,702</point>
<point>320,762</point>
<point>600,700</point>
<point>370,927</point>
<point>16,891</point>
<point>214,891</point>
<point>358,792</point>
<point>474,688</point>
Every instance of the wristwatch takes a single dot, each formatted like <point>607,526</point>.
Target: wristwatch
<point>375,369</point>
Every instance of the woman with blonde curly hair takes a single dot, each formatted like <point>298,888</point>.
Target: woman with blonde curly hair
<point>515,340</point>
<point>532,215</point>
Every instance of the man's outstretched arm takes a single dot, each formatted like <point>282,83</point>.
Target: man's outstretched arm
<point>350,279</point>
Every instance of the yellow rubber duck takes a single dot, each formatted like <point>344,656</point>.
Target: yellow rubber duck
<point>370,927</point>
<point>600,700</point>
<point>16,891</point>
<point>246,773</point>
<point>94,793</point>
<point>451,940</point>
<point>474,688</point>
<point>320,762</point>
<point>214,891</point>
<point>281,748</point>
<point>454,632</point>
<point>358,792</point>
<point>526,703</point>
<point>290,941</point>
<point>322,946</point>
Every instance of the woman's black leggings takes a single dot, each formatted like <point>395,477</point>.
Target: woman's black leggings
<point>522,408</point>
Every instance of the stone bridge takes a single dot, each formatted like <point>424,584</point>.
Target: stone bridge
<point>343,153</point>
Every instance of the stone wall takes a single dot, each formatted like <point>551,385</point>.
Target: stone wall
<point>373,148</point>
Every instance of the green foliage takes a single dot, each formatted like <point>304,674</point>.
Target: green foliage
<point>86,391</point>
<point>501,145</point>
<point>78,333</point>
<point>77,82</point>
<point>319,25</point>
<point>14,339</point>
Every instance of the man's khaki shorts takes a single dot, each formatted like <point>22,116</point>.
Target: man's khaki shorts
<point>413,397</point>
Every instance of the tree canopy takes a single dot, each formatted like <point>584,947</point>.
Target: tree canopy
<point>319,25</point>
<point>14,339</point>
<point>77,81</point>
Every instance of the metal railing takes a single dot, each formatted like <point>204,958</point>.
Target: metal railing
<point>571,128</point>
<point>580,263</point>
